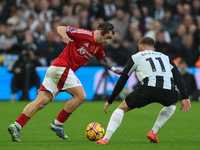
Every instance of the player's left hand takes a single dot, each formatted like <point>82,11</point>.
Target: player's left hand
<point>185,105</point>
<point>105,107</point>
<point>117,71</point>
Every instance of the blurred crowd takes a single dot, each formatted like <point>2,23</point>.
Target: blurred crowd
<point>30,25</point>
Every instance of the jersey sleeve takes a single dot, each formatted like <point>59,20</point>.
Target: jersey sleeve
<point>178,79</point>
<point>122,80</point>
<point>129,67</point>
<point>100,53</point>
<point>77,33</point>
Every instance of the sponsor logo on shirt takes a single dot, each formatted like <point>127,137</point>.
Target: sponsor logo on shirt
<point>81,50</point>
<point>84,52</point>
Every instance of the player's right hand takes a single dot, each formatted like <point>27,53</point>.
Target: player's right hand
<point>185,105</point>
<point>66,39</point>
<point>117,71</point>
<point>105,107</point>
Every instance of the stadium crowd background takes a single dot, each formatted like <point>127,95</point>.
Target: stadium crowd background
<point>30,25</point>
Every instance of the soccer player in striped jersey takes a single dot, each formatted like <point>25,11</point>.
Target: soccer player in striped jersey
<point>81,46</point>
<point>159,77</point>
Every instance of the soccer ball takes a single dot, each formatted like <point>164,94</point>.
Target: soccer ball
<point>94,131</point>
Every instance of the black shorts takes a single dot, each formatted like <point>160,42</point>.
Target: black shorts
<point>145,95</point>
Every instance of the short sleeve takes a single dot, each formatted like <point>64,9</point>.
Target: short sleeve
<point>77,33</point>
<point>100,53</point>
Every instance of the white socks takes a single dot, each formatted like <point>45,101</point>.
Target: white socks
<point>163,116</point>
<point>114,123</point>
<point>18,125</point>
<point>57,122</point>
<point>118,114</point>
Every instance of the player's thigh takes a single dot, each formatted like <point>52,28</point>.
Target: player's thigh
<point>72,81</point>
<point>138,98</point>
<point>166,97</point>
<point>77,92</point>
<point>124,106</point>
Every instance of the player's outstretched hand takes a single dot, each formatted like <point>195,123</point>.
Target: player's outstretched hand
<point>185,105</point>
<point>105,107</point>
<point>117,71</point>
<point>66,39</point>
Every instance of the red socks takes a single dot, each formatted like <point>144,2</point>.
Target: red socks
<point>63,116</point>
<point>22,119</point>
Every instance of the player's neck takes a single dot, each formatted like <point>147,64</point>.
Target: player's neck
<point>141,50</point>
<point>96,35</point>
<point>145,47</point>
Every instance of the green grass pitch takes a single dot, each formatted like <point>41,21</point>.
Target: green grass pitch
<point>181,132</point>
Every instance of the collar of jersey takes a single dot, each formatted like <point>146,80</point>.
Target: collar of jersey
<point>93,41</point>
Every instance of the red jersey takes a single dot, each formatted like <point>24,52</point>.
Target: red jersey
<point>80,51</point>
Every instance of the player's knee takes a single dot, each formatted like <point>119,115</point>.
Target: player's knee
<point>42,103</point>
<point>123,106</point>
<point>82,97</point>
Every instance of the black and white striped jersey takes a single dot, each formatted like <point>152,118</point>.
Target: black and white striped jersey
<point>152,69</point>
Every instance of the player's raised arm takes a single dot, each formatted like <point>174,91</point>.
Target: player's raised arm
<point>62,30</point>
<point>104,62</point>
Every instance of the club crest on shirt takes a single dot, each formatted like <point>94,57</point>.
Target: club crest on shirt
<point>72,30</point>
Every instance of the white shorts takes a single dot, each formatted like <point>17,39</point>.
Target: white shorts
<point>58,79</point>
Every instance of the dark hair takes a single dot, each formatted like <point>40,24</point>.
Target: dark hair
<point>147,41</point>
<point>106,27</point>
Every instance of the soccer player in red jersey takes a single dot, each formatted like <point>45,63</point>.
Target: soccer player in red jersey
<point>81,46</point>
